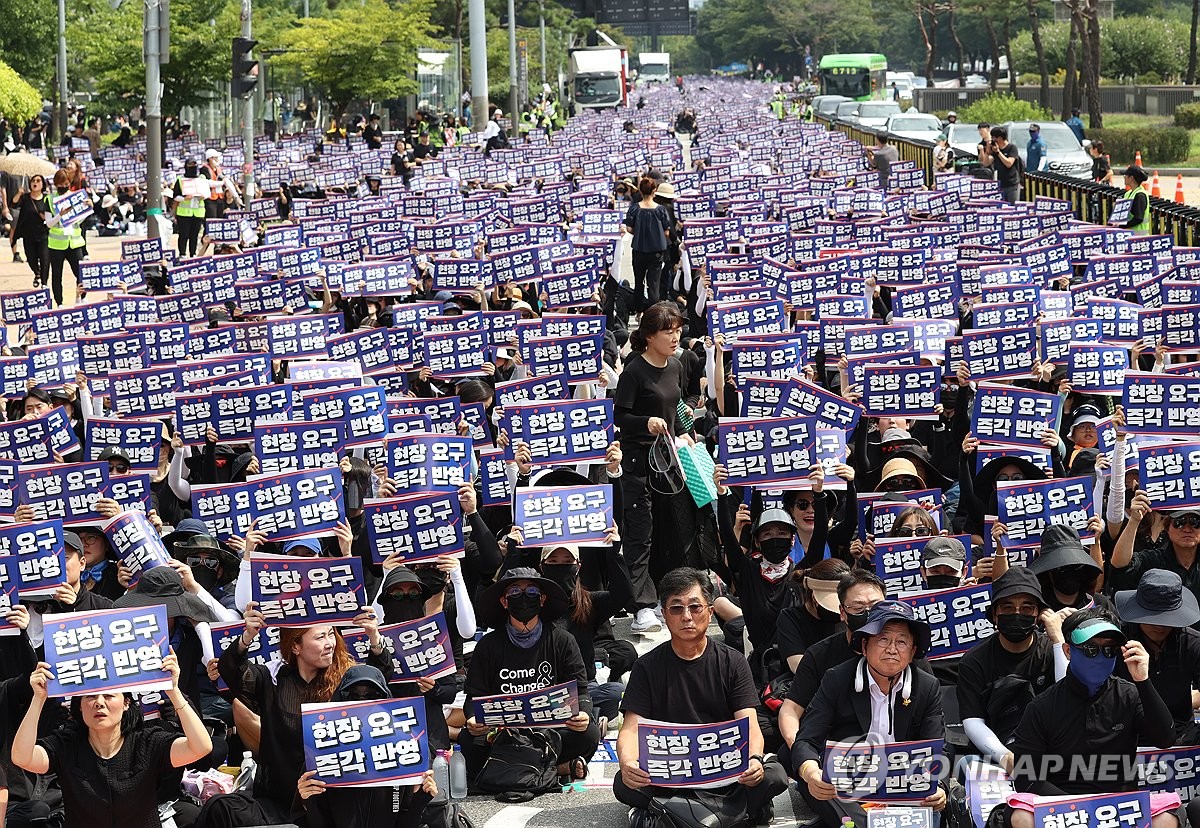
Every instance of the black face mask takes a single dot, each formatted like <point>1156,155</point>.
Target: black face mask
<point>856,622</point>
<point>775,550</point>
<point>406,607</point>
<point>433,579</point>
<point>354,492</point>
<point>205,577</point>
<point>524,608</point>
<point>1015,627</point>
<point>1068,581</point>
<point>941,581</point>
<point>565,575</point>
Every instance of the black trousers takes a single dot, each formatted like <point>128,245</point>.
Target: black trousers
<point>647,275</point>
<point>637,527</point>
<point>72,256</point>
<point>774,782</point>
<point>476,749</point>
<point>37,255</point>
<point>188,228</point>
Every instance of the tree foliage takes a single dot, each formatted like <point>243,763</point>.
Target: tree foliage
<point>358,51</point>
<point>24,38</point>
<point>1130,47</point>
<point>18,100</point>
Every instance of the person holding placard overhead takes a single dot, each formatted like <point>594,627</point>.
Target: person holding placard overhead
<point>108,763</point>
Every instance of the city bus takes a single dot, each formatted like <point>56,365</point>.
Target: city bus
<point>861,77</point>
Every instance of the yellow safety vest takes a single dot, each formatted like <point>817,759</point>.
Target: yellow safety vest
<point>63,238</point>
<point>191,205</point>
<point>1144,227</point>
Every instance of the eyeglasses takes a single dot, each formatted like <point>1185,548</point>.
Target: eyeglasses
<point>691,609</point>
<point>900,645</point>
<point>1006,478</point>
<point>1189,521</point>
<point>1093,650</point>
<point>858,609</point>
<point>912,532</point>
<point>531,591</point>
<point>198,560</point>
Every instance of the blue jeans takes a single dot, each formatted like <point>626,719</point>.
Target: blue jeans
<point>606,698</point>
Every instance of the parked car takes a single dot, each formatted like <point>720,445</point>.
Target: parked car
<point>826,105</point>
<point>847,112</point>
<point>975,81</point>
<point>916,126</point>
<point>874,114</point>
<point>1064,154</point>
<point>963,139</point>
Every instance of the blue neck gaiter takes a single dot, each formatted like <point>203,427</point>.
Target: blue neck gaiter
<point>1091,672</point>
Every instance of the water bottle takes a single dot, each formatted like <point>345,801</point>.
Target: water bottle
<point>441,775</point>
<point>458,774</point>
<point>245,777</point>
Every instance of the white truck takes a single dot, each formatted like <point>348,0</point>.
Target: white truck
<point>597,77</point>
<point>654,67</point>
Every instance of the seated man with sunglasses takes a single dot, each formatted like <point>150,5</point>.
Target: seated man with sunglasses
<point>524,652</point>
<point>1082,735</point>
<point>692,679</point>
<point>1134,554</point>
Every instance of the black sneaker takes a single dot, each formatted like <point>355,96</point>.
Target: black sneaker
<point>640,818</point>
<point>17,258</point>
<point>765,814</point>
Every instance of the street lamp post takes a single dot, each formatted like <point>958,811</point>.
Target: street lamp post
<point>62,70</point>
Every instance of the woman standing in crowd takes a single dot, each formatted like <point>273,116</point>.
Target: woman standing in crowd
<point>649,224</point>
<point>34,205</point>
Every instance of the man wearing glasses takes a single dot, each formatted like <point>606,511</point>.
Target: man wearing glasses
<point>1076,738</point>
<point>879,696</point>
<point>692,679</point>
<point>1134,554</point>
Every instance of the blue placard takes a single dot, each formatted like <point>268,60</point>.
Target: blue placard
<point>1056,335</point>
<point>263,650</point>
<point>957,618</point>
<point>297,445</point>
<point>901,390</point>
<point>136,542</point>
<point>148,394</point>
<point>284,506</point>
<point>1027,507</point>
<point>493,479</point>
<point>303,336</point>
<point>735,319</point>
<point>37,548</point>
<point>72,208</point>
<point>233,412</point>
<point>454,354</point>
<point>107,650</point>
<point>694,755</point>
<point>428,462</point>
<point>368,743</point>
<point>444,413</point>
<point>545,707</point>
<point>888,772</point>
<point>575,358</point>
<point>139,440</point>
<point>1131,810</point>
<point>551,516</point>
<point>1039,457</point>
<point>768,452</point>
<point>987,786</point>
<point>420,648</point>
<point>774,359</point>
<point>299,592</point>
<point>1161,404</point>
<point>19,308</point>
<point>937,301</point>
<point>557,433</point>
<point>1005,415</point>
<point>66,492</point>
<point>363,412</point>
<point>898,563</point>
<point>1174,770</point>
<point>1169,474</point>
<point>130,491</point>
<point>801,398</point>
<point>1001,353</point>
<point>415,528</point>
<point>1096,369</point>
<point>531,389</point>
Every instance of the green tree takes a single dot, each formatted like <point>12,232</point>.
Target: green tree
<point>358,51</point>
<point>24,38</point>
<point>18,100</point>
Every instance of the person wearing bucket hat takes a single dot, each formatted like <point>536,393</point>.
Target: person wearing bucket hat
<point>213,566</point>
<point>1002,673</point>
<point>384,806</point>
<point>1161,614</point>
<point>526,651</point>
<point>1134,553</point>
<point>1066,570</point>
<point>977,489</point>
<point>1082,735</point>
<point>877,696</point>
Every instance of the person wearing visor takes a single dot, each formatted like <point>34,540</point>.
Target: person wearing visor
<point>1161,613</point>
<point>1000,675</point>
<point>878,696</point>
<point>1089,721</point>
<point>1134,554</point>
<point>384,806</point>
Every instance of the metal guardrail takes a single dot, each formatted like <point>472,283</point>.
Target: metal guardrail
<point>919,151</point>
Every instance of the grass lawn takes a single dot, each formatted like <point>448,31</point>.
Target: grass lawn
<point>1129,120</point>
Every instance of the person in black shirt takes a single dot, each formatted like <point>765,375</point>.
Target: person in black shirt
<point>1134,554</point>
<point>1075,738</point>
<point>372,134</point>
<point>521,654</point>
<point>1001,674</point>
<point>424,149</point>
<point>1007,163</point>
<point>1161,613</point>
<point>1101,169</point>
<point>692,679</point>
<point>647,221</point>
<point>647,408</point>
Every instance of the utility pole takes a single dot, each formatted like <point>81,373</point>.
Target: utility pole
<point>479,68</point>
<point>156,51</point>
<point>513,97</point>
<point>62,71</point>
<point>248,113</point>
<point>542,36</point>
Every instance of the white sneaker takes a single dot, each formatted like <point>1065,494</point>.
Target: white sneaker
<point>646,621</point>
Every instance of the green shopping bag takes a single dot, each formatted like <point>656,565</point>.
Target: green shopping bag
<point>698,470</point>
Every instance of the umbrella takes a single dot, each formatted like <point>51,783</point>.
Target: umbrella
<point>26,164</point>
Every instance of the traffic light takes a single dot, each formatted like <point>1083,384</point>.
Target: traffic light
<point>245,68</point>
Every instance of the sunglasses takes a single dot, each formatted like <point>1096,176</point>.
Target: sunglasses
<point>903,483</point>
<point>531,591</point>
<point>912,532</point>
<point>197,560</point>
<point>691,609</point>
<point>1093,650</point>
<point>803,505</point>
<point>1189,521</point>
<point>1007,478</point>
<point>402,595</point>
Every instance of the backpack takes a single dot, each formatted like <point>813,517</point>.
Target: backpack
<point>523,763</point>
